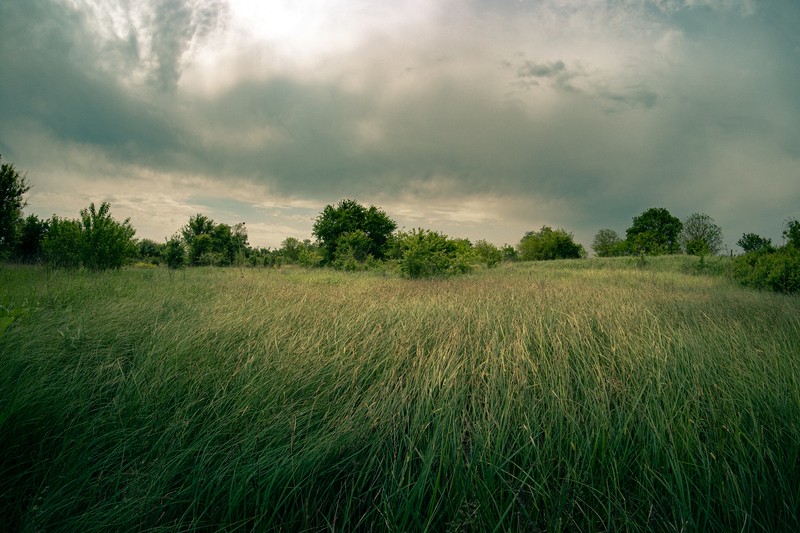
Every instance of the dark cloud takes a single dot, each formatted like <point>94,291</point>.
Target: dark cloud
<point>676,114</point>
<point>541,70</point>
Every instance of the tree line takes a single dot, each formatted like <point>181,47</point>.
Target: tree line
<point>350,236</point>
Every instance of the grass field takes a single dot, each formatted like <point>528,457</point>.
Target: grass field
<point>572,395</point>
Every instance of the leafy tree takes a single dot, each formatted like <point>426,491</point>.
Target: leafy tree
<point>487,253</point>
<point>607,243</point>
<point>509,253</point>
<point>105,243</point>
<point>424,253</point>
<point>310,255</point>
<point>239,244</point>
<point>352,250</point>
<point>777,270</point>
<point>547,244</point>
<point>31,237</point>
<point>791,233</point>
<point>62,245</point>
<point>150,251</point>
<point>655,232</point>
<point>290,250</point>
<point>700,235</point>
<point>349,216</point>
<point>751,242</point>
<point>174,253</point>
<point>13,187</point>
<point>197,234</point>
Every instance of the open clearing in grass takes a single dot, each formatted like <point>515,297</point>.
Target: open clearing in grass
<point>564,395</point>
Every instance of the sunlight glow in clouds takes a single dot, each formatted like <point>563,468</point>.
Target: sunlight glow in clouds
<point>483,119</point>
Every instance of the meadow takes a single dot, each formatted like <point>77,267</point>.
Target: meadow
<point>586,395</point>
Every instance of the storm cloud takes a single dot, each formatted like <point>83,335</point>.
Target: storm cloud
<point>482,119</point>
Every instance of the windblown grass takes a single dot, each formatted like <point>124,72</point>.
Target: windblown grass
<point>551,396</point>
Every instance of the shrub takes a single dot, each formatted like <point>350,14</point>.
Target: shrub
<point>105,243</point>
<point>655,232</point>
<point>174,253</point>
<point>61,246</point>
<point>778,270</point>
<point>607,243</point>
<point>425,253</point>
<point>547,244</point>
<point>751,242</point>
<point>487,253</point>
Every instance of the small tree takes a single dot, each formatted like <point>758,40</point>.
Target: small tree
<point>174,254</point>
<point>487,253</point>
<point>547,244</point>
<point>150,251</point>
<point>655,232</point>
<point>751,242</point>
<point>105,243</point>
<point>700,235</point>
<point>197,234</point>
<point>349,216</point>
<point>31,237</point>
<point>13,187</point>
<point>791,233</point>
<point>424,253</point>
<point>352,250</point>
<point>61,246</point>
<point>607,243</point>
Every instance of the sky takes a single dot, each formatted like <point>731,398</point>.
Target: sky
<point>477,118</point>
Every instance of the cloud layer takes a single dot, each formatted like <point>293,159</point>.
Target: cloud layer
<point>482,119</point>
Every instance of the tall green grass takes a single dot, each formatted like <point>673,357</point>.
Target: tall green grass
<point>585,395</point>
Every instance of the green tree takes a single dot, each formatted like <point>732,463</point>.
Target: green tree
<point>197,234</point>
<point>174,253</point>
<point>13,187</point>
<point>31,237</point>
<point>222,245</point>
<point>509,253</point>
<point>791,233</point>
<point>547,244</point>
<point>290,250</point>
<point>701,235</point>
<point>655,232</point>
<point>352,250</point>
<point>751,242</point>
<point>150,251</point>
<point>61,246</point>
<point>349,216</point>
<point>487,253</point>
<point>105,243</point>
<point>424,253</point>
<point>607,243</point>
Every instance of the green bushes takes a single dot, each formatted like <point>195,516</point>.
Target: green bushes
<point>547,244</point>
<point>766,267</point>
<point>778,271</point>
<point>424,253</point>
<point>96,241</point>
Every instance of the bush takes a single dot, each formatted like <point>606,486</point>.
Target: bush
<point>751,242</point>
<point>487,253</point>
<point>105,243</point>
<point>654,232</point>
<point>778,271</point>
<point>607,243</point>
<point>424,253</point>
<point>61,246</point>
<point>174,253</point>
<point>547,244</point>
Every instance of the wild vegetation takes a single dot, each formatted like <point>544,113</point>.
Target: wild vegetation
<point>587,394</point>
<point>352,237</point>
